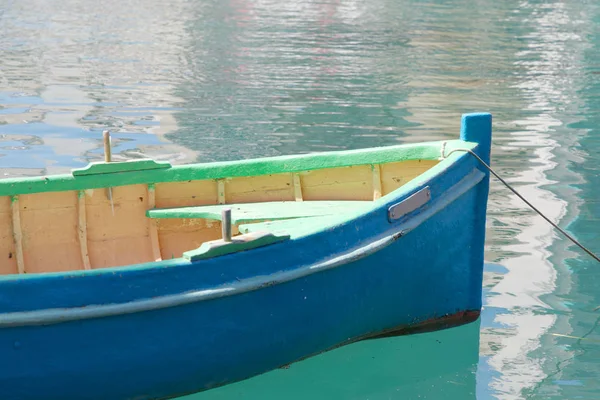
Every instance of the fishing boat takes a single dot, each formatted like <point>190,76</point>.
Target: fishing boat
<point>143,280</point>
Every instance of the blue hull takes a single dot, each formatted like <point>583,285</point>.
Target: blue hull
<point>151,333</point>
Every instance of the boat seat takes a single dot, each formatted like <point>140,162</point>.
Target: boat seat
<point>259,212</point>
<point>295,226</point>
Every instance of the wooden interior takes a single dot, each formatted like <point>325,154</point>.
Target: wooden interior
<point>76,230</point>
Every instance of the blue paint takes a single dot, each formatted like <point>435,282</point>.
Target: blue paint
<point>432,270</point>
<point>477,127</point>
<point>56,315</point>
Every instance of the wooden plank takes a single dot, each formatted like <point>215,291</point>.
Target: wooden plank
<point>185,194</point>
<point>82,229</point>
<point>122,238</point>
<point>153,228</point>
<point>17,234</point>
<point>273,210</point>
<point>8,263</point>
<point>347,183</point>
<point>180,235</point>
<point>49,222</point>
<point>297,187</point>
<point>221,191</point>
<point>176,236</point>
<point>394,175</point>
<point>376,181</point>
<point>260,188</point>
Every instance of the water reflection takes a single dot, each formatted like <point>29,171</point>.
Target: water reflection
<point>69,73</point>
<point>434,365</point>
<point>550,76</point>
<point>571,371</point>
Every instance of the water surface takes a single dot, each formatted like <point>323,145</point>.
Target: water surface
<point>187,81</point>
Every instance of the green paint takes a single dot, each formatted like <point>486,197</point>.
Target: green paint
<point>96,168</point>
<point>273,210</point>
<point>239,243</point>
<point>229,169</point>
<point>295,226</point>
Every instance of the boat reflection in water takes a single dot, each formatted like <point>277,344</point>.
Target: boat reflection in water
<point>441,364</point>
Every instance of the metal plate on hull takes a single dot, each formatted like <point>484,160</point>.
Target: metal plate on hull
<point>409,204</point>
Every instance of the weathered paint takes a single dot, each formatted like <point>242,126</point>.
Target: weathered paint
<point>350,277</point>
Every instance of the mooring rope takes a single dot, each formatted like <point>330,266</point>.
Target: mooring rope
<point>572,239</point>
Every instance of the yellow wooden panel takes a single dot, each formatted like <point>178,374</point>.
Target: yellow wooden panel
<point>376,182</point>
<point>124,237</point>
<point>394,175</point>
<point>297,186</point>
<point>181,234</point>
<point>120,252</point>
<point>221,191</point>
<point>171,225</point>
<point>346,183</point>
<point>82,231</point>
<point>254,189</point>
<point>8,258</point>
<point>17,234</point>
<point>153,225</point>
<point>188,193</point>
<point>50,236</point>
<point>129,219</point>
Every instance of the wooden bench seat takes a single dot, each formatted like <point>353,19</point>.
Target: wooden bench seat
<point>295,226</point>
<point>258,212</point>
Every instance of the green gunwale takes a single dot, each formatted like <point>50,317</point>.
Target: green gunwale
<point>229,169</point>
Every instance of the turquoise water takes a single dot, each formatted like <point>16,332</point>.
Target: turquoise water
<point>186,81</point>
